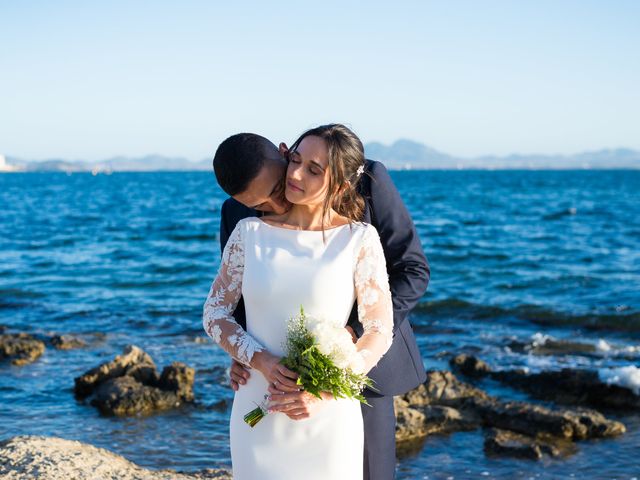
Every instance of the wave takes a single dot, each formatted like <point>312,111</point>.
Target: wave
<point>456,308</point>
<point>567,212</point>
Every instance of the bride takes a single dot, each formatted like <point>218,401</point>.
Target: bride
<point>320,256</point>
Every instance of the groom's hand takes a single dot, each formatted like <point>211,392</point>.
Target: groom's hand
<point>352,332</point>
<point>239,375</point>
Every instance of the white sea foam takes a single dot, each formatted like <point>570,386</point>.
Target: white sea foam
<point>538,339</point>
<point>603,346</point>
<point>628,377</point>
<point>537,363</point>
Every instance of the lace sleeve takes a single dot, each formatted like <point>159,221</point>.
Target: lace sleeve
<point>223,298</point>
<point>375,308</point>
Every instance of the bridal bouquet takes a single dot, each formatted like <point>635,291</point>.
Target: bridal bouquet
<point>325,359</point>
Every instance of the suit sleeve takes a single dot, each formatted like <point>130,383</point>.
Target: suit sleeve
<point>407,265</point>
<point>230,214</point>
<point>225,231</point>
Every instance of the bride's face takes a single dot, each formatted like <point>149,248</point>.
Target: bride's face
<point>308,172</point>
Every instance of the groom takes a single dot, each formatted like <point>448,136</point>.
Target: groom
<point>251,170</point>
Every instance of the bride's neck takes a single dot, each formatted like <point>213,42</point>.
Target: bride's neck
<point>307,217</point>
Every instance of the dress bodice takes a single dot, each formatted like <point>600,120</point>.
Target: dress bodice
<point>278,270</point>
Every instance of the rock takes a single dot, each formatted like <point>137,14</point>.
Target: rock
<point>470,366</point>
<point>444,404</point>
<point>414,423</point>
<point>50,458</point>
<point>410,422</point>
<point>67,342</point>
<point>572,387</point>
<point>592,424</point>
<point>549,346</point>
<point>130,385</point>
<point>533,420</point>
<point>567,386</point>
<point>20,348</point>
<point>132,360</point>
<point>178,378</point>
<point>410,428</point>
<point>126,396</point>
<point>430,409</point>
<point>440,419</point>
<point>505,443</point>
<point>442,388</point>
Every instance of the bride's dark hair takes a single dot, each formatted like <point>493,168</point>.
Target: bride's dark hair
<point>346,167</point>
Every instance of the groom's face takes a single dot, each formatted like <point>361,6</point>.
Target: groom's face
<point>266,191</point>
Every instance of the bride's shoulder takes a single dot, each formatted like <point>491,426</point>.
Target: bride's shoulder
<point>364,229</point>
<point>248,223</point>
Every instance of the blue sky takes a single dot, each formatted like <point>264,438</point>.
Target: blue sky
<point>90,80</point>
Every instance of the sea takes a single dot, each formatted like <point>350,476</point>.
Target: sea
<point>518,257</point>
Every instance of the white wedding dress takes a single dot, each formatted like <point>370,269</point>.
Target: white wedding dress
<point>278,270</point>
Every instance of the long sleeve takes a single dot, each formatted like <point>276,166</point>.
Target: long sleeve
<point>231,213</point>
<point>375,308</point>
<point>407,265</point>
<point>223,298</point>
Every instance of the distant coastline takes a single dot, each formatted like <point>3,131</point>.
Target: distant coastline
<point>401,155</point>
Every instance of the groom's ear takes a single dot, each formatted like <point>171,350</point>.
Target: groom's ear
<point>284,150</point>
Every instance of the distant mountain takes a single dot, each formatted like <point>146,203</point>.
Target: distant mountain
<point>148,163</point>
<point>406,154</point>
<point>401,155</point>
<point>598,160</point>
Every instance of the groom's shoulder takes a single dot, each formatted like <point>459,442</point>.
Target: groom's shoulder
<point>234,211</point>
<point>376,177</point>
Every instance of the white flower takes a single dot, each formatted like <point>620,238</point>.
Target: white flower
<point>334,341</point>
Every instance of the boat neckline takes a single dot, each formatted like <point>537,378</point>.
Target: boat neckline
<point>296,230</point>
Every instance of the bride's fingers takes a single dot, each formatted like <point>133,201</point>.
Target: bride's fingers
<point>278,389</point>
<point>284,385</point>
<point>284,402</point>
<point>287,375</point>
<point>298,414</point>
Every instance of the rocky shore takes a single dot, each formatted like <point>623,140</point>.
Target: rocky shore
<point>51,458</point>
<point>567,386</point>
<point>444,404</point>
<point>131,384</point>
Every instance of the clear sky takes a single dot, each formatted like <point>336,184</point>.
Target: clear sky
<point>90,80</point>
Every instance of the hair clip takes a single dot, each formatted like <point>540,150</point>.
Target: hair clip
<point>360,170</point>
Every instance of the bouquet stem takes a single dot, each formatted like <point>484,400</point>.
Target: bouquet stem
<point>254,416</point>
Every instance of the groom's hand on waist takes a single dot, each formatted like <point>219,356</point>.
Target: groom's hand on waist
<point>239,375</point>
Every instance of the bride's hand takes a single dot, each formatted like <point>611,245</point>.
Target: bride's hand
<point>280,378</point>
<point>298,405</point>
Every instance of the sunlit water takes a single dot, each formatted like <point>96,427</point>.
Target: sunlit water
<point>128,258</point>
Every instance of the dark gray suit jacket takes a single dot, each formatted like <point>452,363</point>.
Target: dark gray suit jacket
<point>400,369</point>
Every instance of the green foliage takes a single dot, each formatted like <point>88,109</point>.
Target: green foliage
<point>317,372</point>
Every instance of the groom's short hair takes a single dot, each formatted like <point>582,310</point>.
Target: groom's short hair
<point>238,160</point>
